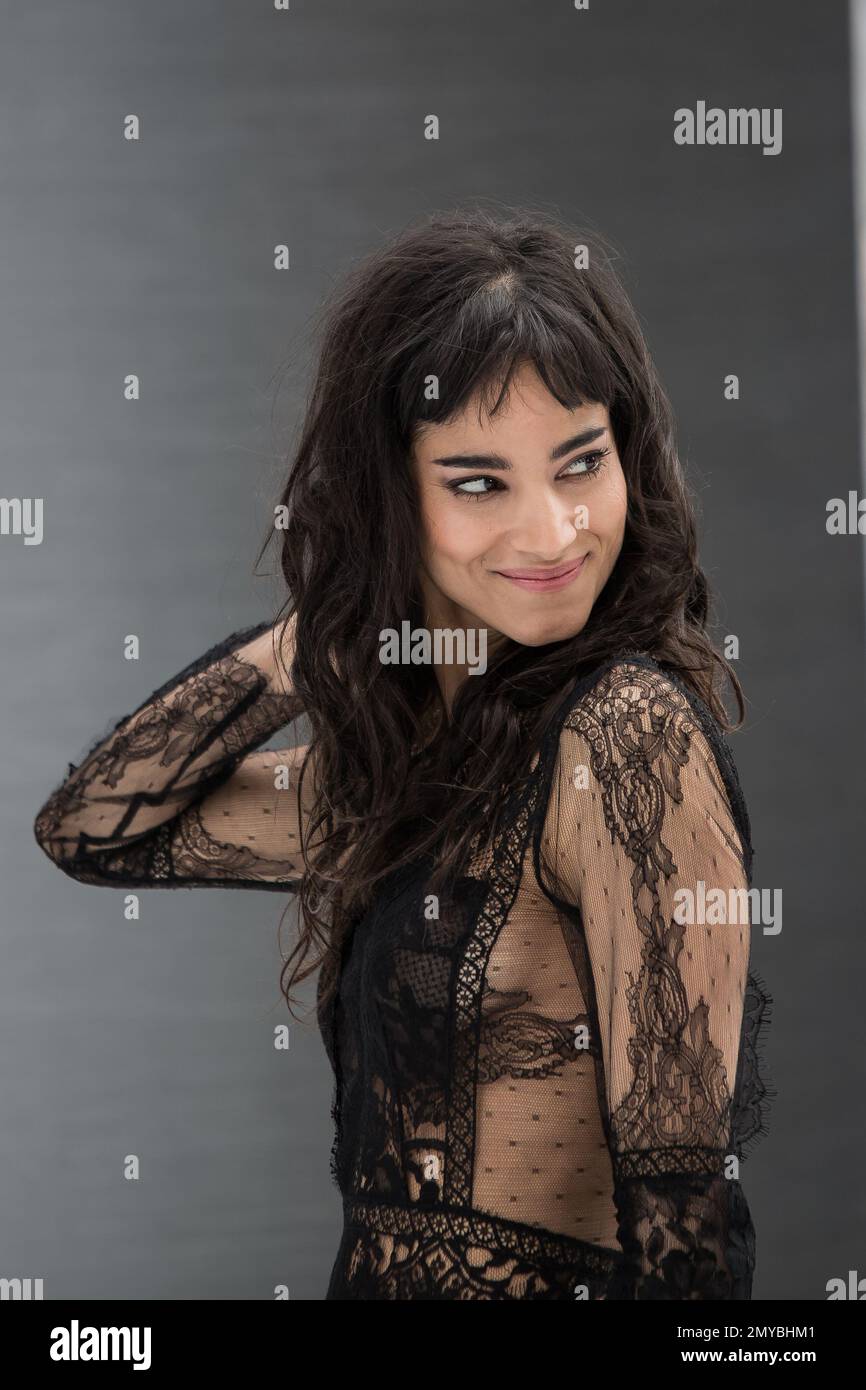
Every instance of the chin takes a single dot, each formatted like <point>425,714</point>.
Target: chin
<point>539,634</point>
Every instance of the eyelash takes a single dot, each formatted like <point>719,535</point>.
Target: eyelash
<point>596,457</point>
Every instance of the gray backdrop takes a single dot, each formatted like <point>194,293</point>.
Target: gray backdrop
<point>155,1037</point>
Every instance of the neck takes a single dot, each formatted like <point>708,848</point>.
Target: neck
<point>442,612</point>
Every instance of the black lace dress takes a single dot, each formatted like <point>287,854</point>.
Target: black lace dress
<point>546,1081</point>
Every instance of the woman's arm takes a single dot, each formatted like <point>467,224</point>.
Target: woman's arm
<point>175,795</point>
<point>645,839</point>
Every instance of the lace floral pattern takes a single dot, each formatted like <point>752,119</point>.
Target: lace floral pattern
<point>131,813</point>
<point>393,1252</point>
<point>680,1094</point>
<point>545,1080</point>
<point>682,1220</point>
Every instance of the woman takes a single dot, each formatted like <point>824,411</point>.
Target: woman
<point>517,781</point>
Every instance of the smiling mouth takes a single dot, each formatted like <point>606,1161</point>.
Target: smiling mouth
<point>540,580</point>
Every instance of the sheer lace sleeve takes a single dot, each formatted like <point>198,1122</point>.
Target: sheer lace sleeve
<point>174,796</point>
<point>641,837</point>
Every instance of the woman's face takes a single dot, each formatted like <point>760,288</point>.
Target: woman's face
<point>523,515</point>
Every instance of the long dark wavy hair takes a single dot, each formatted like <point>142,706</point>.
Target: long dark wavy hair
<point>468,296</point>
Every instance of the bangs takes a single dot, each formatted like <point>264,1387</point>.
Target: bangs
<point>491,335</point>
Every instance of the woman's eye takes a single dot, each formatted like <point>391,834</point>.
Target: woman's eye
<point>592,463</point>
<point>585,466</point>
<point>474,487</point>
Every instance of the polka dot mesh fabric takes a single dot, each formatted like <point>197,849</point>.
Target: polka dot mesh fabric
<point>546,1079</point>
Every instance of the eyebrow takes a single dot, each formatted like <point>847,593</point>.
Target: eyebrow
<point>498,462</point>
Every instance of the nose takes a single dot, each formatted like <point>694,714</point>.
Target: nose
<point>543,525</point>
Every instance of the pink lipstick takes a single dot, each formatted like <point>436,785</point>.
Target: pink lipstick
<point>541,579</point>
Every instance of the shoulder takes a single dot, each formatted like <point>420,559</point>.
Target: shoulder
<point>628,692</point>
<point>639,735</point>
<point>628,685</point>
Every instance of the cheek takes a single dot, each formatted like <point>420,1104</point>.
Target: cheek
<point>610,509</point>
<point>453,532</point>
<point>432,520</point>
<point>619,486</point>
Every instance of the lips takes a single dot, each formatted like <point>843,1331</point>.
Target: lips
<point>541,573</point>
<point>540,580</point>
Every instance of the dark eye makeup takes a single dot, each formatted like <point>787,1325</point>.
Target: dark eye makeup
<point>594,462</point>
